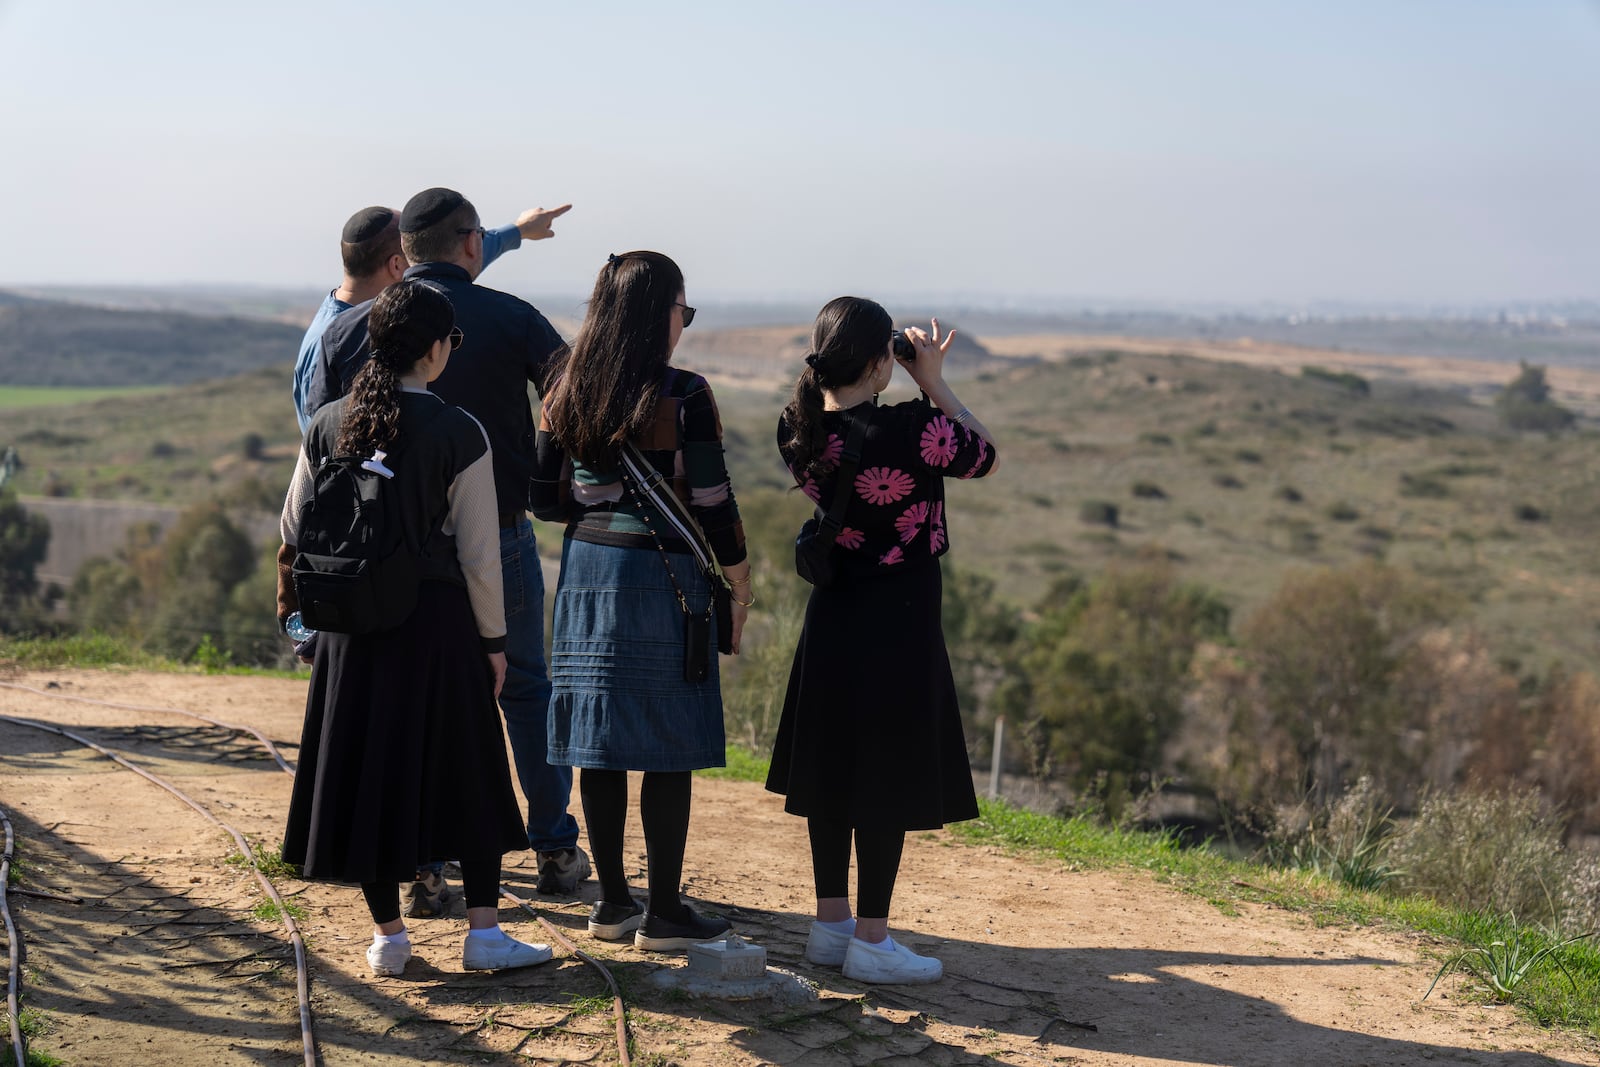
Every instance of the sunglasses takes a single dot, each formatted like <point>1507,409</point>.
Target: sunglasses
<point>456,337</point>
<point>479,230</point>
<point>688,312</point>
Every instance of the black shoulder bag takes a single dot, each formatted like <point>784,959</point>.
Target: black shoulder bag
<point>644,481</point>
<point>814,547</point>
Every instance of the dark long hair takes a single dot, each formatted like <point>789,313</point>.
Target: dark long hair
<point>407,319</point>
<point>604,388</point>
<point>849,337</point>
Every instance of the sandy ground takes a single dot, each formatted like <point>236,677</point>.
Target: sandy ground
<point>1576,387</point>
<point>162,962</point>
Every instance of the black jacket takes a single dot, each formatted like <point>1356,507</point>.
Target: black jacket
<point>506,343</point>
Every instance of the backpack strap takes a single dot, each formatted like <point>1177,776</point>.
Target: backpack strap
<point>833,521</point>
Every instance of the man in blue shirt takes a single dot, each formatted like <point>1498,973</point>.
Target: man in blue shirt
<point>373,261</point>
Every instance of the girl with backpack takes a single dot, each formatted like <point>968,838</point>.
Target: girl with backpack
<point>869,744</point>
<point>633,658</point>
<point>402,757</point>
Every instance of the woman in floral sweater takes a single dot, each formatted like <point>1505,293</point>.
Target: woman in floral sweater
<point>870,742</point>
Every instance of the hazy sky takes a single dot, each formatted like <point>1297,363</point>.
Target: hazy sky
<point>1347,150</point>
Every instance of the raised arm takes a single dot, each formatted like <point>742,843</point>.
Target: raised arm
<point>532,225</point>
<point>972,449</point>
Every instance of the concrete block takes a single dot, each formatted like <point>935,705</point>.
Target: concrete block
<point>733,960</point>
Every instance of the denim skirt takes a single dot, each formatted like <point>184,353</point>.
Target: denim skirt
<point>619,700</point>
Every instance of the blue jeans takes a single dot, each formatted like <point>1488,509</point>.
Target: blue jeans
<point>525,697</point>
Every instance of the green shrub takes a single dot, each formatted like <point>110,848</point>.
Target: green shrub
<point>1422,486</point>
<point>1497,852</point>
<point>1342,511</point>
<point>1161,440</point>
<point>1525,403</point>
<point>1247,455</point>
<point>1098,512</point>
<point>1226,481</point>
<point>1347,842</point>
<point>1148,491</point>
<point>1351,383</point>
<point>1289,494</point>
<point>1530,513</point>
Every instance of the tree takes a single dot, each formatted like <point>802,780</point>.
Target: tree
<point>205,557</point>
<point>1525,403</point>
<point>23,540</point>
<point>1329,651</point>
<point>1106,671</point>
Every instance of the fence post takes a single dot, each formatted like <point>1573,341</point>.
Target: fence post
<point>994,763</point>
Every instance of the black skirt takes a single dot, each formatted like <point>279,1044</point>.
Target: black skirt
<point>403,757</point>
<point>871,733</point>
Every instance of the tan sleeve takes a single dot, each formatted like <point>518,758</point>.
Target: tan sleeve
<point>474,521</point>
<point>294,505</point>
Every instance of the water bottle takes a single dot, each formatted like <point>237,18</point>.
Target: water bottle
<point>297,630</point>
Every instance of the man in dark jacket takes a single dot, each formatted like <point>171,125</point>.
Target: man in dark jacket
<point>506,344</point>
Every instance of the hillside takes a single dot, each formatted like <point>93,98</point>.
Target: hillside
<point>1238,473</point>
<point>46,342</point>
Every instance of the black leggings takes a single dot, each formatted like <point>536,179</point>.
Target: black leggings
<point>877,864</point>
<point>664,811</point>
<point>480,884</point>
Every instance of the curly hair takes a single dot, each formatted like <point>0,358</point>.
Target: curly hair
<point>407,319</point>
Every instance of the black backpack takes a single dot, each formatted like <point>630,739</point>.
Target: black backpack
<point>355,571</point>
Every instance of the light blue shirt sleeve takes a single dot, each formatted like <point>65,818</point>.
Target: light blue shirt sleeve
<point>499,240</point>
<point>305,365</point>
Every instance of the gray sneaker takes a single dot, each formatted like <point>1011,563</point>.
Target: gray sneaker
<point>429,897</point>
<point>561,871</point>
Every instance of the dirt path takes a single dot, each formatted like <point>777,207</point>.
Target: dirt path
<point>163,963</point>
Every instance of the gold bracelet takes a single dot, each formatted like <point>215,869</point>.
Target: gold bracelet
<point>745,603</point>
<point>739,581</point>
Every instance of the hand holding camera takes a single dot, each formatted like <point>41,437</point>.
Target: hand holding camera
<point>921,353</point>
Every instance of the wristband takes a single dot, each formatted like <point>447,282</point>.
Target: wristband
<point>961,416</point>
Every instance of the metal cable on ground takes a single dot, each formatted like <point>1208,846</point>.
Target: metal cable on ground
<point>252,731</point>
<point>619,1010</point>
<point>617,1007</point>
<point>302,976</point>
<point>13,1010</point>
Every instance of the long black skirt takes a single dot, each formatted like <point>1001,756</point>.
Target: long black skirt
<point>871,733</point>
<point>403,757</point>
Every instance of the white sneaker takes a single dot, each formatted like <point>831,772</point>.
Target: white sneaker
<point>889,964</point>
<point>388,959</point>
<point>826,947</point>
<point>488,954</point>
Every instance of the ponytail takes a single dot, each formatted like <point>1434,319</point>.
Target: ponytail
<point>372,415</point>
<point>849,337</point>
<point>803,417</point>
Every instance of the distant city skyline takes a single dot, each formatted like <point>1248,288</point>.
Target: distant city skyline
<point>1239,153</point>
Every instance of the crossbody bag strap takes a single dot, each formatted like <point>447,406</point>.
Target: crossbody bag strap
<point>630,483</point>
<point>650,482</point>
<point>849,463</point>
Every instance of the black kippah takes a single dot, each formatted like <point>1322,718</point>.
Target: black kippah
<point>366,224</point>
<point>429,207</point>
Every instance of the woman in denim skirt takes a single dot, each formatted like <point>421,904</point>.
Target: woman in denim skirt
<point>633,665</point>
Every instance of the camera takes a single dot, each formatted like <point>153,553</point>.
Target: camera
<point>902,347</point>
